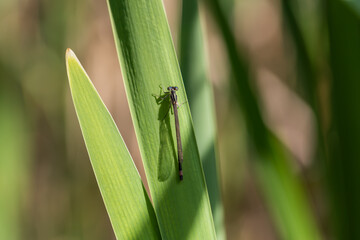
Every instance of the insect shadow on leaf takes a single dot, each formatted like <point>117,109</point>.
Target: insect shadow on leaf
<point>167,151</point>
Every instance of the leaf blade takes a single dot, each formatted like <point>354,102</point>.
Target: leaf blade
<point>148,59</point>
<point>126,201</point>
<point>200,94</point>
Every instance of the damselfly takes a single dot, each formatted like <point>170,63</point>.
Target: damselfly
<point>173,98</point>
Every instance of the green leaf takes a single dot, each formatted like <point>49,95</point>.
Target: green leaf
<point>147,60</point>
<point>344,138</point>
<point>200,95</point>
<point>126,200</point>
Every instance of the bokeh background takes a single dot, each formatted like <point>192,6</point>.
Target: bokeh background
<point>304,59</point>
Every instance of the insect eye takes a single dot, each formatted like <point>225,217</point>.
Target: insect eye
<point>168,88</point>
<point>176,88</point>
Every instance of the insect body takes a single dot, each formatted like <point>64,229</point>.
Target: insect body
<point>173,97</point>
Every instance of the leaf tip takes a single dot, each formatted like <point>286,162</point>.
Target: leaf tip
<point>69,57</point>
<point>69,54</point>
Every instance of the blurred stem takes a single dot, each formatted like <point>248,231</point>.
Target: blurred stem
<point>308,76</point>
<point>307,71</point>
<point>241,76</point>
<point>344,139</point>
<point>309,82</point>
<point>14,156</point>
<point>282,189</point>
<point>200,95</point>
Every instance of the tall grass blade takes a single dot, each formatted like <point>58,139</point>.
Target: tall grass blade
<point>147,60</point>
<point>344,139</point>
<point>125,198</point>
<point>200,95</point>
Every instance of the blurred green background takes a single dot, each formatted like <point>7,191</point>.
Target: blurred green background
<point>303,64</point>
